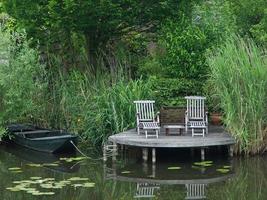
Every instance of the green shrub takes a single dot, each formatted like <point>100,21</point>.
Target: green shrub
<point>21,79</point>
<point>216,19</point>
<point>171,91</point>
<point>238,74</point>
<point>185,45</point>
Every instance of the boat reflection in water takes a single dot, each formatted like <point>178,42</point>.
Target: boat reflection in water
<point>147,186</point>
<point>45,159</point>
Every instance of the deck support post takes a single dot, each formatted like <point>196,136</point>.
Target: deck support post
<point>192,151</point>
<point>145,154</point>
<point>153,155</point>
<point>153,170</point>
<point>104,153</point>
<point>114,151</point>
<point>202,154</point>
<point>231,150</point>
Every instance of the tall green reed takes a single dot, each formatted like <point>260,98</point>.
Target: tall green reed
<point>238,74</point>
<point>95,102</point>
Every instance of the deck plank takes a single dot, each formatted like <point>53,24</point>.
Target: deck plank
<point>217,136</point>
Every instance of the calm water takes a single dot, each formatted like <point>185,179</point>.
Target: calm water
<point>174,177</point>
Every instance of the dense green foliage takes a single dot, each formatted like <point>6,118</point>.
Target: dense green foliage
<point>84,62</point>
<point>238,75</point>
<point>22,90</point>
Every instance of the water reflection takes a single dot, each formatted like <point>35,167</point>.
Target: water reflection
<point>128,178</point>
<point>151,179</point>
<point>45,159</point>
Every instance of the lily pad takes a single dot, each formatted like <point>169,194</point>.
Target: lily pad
<point>35,177</point>
<point>34,165</point>
<point>14,168</point>
<point>77,185</point>
<point>46,186</point>
<point>71,159</point>
<point>223,170</point>
<point>204,163</point>
<point>77,179</point>
<point>226,167</point>
<point>89,184</point>
<point>50,164</point>
<point>126,172</point>
<point>17,171</point>
<point>13,189</point>
<point>174,168</point>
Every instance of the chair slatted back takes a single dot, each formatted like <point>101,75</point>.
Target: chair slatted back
<point>195,107</point>
<point>145,190</point>
<point>145,108</point>
<point>195,191</point>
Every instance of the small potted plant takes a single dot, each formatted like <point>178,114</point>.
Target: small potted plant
<point>215,114</point>
<point>216,118</point>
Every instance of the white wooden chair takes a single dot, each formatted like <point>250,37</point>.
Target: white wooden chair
<point>195,115</point>
<point>146,118</point>
<point>146,190</point>
<point>195,191</point>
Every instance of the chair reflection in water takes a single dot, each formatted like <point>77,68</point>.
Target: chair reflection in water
<point>146,190</point>
<point>195,191</point>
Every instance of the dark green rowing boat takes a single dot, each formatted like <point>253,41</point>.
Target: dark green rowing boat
<point>40,139</point>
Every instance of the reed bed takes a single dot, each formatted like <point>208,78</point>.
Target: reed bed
<point>238,75</point>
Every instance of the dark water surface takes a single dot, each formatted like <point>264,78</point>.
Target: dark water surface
<point>45,176</point>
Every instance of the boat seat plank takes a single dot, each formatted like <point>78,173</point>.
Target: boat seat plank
<point>33,132</point>
<point>53,137</point>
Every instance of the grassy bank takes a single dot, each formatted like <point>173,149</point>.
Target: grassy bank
<point>238,74</point>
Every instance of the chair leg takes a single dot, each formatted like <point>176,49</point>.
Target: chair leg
<point>207,130</point>
<point>138,130</point>
<point>203,132</point>
<point>193,132</point>
<point>146,133</point>
<point>157,133</point>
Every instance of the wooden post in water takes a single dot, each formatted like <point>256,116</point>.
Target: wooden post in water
<point>202,154</point>
<point>114,151</point>
<point>192,151</point>
<point>104,153</point>
<point>153,170</point>
<point>145,154</point>
<point>231,150</point>
<point>153,155</point>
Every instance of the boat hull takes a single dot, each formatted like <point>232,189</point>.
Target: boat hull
<point>54,145</point>
<point>43,140</point>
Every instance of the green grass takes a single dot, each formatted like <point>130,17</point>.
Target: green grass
<point>238,75</point>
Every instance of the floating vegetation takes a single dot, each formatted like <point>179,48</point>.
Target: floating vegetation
<point>222,170</point>
<point>34,165</point>
<point>18,171</point>
<point>14,168</point>
<point>35,177</point>
<point>204,163</point>
<point>47,183</point>
<point>37,193</point>
<point>84,185</point>
<point>50,164</point>
<point>226,167</point>
<point>126,172</point>
<point>71,159</point>
<point>77,179</point>
<point>174,168</point>
<point>89,184</point>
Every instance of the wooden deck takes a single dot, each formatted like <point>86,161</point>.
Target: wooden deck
<point>217,137</point>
